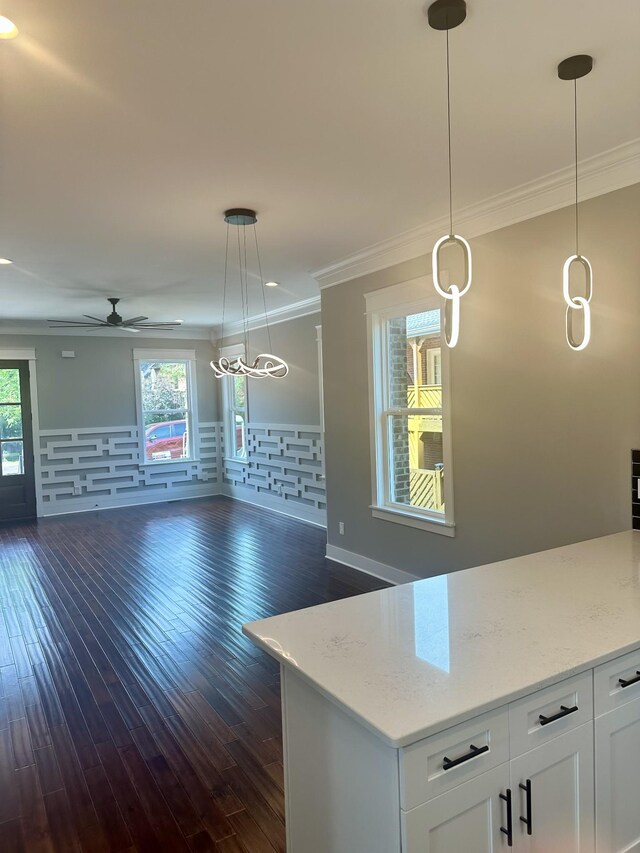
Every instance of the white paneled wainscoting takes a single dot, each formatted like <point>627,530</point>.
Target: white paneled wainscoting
<point>99,468</point>
<point>284,471</point>
<point>96,468</point>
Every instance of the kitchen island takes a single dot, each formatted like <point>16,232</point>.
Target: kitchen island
<point>468,711</point>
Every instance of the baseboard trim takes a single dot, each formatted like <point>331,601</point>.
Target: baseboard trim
<point>74,505</point>
<point>369,566</point>
<point>276,504</point>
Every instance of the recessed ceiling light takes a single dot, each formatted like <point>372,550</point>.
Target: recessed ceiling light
<point>271,283</point>
<point>178,321</point>
<point>8,29</point>
<point>5,261</point>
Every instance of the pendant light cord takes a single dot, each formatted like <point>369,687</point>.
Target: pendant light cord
<point>449,136</point>
<point>245,293</point>
<point>264,298</point>
<point>575,147</point>
<point>244,312</point>
<point>224,295</point>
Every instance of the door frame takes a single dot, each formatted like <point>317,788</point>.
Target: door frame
<point>29,354</point>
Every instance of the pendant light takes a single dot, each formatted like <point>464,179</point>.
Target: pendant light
<point>264,365</point>
<point>446,15</point>
<point>573,68</point>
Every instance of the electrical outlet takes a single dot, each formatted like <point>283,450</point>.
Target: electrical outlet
<point>341,528</point>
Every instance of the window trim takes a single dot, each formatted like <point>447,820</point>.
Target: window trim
<point>188,357</point>
<point>408,297</point>
<point>233,351</point>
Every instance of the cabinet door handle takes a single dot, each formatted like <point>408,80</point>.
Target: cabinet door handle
<point>563,712</point>
<point>509,830</point>
<point>448,763</point>
<point>528,820</point>
<point>628,682</point>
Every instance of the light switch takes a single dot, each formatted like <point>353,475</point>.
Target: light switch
<point>68,353</point>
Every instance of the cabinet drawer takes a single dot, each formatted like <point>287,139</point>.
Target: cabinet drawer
<point>608,692</point>
<point>547,713</point>
<point>441,762</point>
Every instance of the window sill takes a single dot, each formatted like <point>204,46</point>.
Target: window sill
<point>165,462</point>
<point>444,528</point>
<point>238,460</point>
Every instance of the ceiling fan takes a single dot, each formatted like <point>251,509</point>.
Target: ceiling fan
<point>114,321</point>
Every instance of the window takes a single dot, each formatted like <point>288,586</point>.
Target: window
<point>410,429</point>
<point>165,385</point>
<point>11,439</point>
<point>235,407</point>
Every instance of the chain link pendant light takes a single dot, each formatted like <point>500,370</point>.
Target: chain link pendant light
<point>573,68</point>
<point>265,365</point>
<point>446,15</point>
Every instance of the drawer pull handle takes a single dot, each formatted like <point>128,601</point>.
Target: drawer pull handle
<point>448,763</point>
<point>563,712</point>
<point>628,682</point>
<point>509,830</point>
<point>527,821</point>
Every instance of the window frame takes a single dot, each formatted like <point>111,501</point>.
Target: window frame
<point>400,300</point>
<point>188,358</point>
<point>228,396</point>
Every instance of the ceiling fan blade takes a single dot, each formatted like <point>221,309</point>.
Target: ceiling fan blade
<point>94,318</point>
<point>128,328</point>
<point>158,325</point>
<point>134,321</point>
<point>77,322</point>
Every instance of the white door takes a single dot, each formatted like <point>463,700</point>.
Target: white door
<point>560,815</point>
<point>467,818</point>
<point>618,779</point>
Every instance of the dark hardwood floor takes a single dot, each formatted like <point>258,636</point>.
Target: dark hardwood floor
<point>134,715</point>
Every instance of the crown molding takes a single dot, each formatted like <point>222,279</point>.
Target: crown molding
<point>303,308</point>
<point>33,327</point>
<point>611,170</point>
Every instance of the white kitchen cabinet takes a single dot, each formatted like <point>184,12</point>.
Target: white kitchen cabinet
<point>409,712</point>
<point>475,815</point>
<point>469,817</point>
<point>559,807</point>
<point>618,779</point>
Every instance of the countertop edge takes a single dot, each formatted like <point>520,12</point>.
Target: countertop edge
<point>398,742</point>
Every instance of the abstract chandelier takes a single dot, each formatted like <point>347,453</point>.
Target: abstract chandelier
<point>446,15</point>
<point>573,68</point>
<point>265,365</point>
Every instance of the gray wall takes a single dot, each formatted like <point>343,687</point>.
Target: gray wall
<point>96,388</point>
<point>541,434</point>
<point>294,399</point>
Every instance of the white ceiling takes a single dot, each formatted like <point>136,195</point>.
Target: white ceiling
<point>128,126</point>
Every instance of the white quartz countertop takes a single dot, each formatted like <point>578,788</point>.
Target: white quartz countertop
<point>414,659</point>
